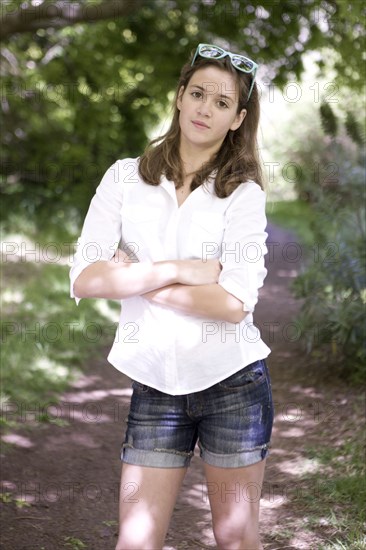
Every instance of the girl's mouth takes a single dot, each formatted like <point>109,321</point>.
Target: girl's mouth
<point>199,124</point>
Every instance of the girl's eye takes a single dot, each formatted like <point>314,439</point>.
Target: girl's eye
<point>223,104</point>
<point>196,94</point>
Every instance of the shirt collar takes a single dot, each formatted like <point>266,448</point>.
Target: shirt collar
<point>169,185</point>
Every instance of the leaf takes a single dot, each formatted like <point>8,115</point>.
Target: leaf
<point>328,119</point>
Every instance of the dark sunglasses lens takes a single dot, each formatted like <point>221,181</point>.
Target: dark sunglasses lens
<point>242,63</point>
<point>211,51</point>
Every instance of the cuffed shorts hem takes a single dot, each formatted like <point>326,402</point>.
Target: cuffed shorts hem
<point>157,458</point>
<point>234,460</point>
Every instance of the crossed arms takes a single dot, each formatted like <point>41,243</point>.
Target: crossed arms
<point>189,286</point>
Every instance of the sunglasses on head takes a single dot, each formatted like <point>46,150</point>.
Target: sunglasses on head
<point>240,62</point>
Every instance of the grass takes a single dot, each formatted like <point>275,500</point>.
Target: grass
<point>74,543</point>
<point>359,543</point>
<point>45,337</point>
<point>296,216</point>
<point>327,503</point>
<point>337,508</point>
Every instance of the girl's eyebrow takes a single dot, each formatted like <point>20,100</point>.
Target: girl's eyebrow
<point>205,90</point>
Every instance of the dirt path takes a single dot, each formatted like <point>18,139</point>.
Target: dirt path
<point>68,471</point>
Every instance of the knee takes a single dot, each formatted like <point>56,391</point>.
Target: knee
<point>239,537</point>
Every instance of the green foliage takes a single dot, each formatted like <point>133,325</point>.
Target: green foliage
<point>340,502</point>
<point>333,284</point>
<point>45,337</point>
<point>328,119</point>
<point>75,98</point>
<point>74,543</point>
<point>331,223</point>
<point>334,293</point>
<point>324,155</point>
<point>330,123</point>
<point>353,129</point>
<point>296,215</point>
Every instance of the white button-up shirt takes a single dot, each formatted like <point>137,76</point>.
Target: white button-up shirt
<point>156,345</point>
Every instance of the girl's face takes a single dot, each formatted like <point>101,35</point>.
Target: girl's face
<point>208,108</point>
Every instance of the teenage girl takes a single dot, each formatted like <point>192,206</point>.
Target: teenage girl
<point>178,235</point>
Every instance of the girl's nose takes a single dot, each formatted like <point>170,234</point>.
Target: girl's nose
<point>205,108</point>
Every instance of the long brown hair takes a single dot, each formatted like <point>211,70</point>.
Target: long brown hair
<point>237,159</point>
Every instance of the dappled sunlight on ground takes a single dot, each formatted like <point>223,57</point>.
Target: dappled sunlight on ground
<point>293,432</point>
<point>17,440</point>
<point>90,396</point>
<point>299,466</point>
<point>285,273</point>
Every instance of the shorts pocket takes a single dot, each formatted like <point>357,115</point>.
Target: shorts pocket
<point>250,375</point>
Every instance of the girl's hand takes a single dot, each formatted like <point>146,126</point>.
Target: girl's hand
<point>198,272</point>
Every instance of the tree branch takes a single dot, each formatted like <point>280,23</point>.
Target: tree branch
<point>61,13</point>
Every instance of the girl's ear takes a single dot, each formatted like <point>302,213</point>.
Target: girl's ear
<point>179,99</point>
<point>238,120</point>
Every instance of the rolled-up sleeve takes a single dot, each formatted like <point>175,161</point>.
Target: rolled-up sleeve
<point>101,232</point>
<point>243,247</point>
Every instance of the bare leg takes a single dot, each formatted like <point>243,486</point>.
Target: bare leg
<point>234,495</point>
<point>147,500</point>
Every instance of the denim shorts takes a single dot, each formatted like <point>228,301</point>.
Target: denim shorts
<point>231,421</point>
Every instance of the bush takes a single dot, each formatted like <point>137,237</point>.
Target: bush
<point>325,147</point>
<point>333,285</point>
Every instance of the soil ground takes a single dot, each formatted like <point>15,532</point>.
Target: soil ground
<point>68,470</point>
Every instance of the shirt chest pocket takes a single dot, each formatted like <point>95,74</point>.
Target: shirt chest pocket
<point>205,234</point>
<point>141,227</point>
